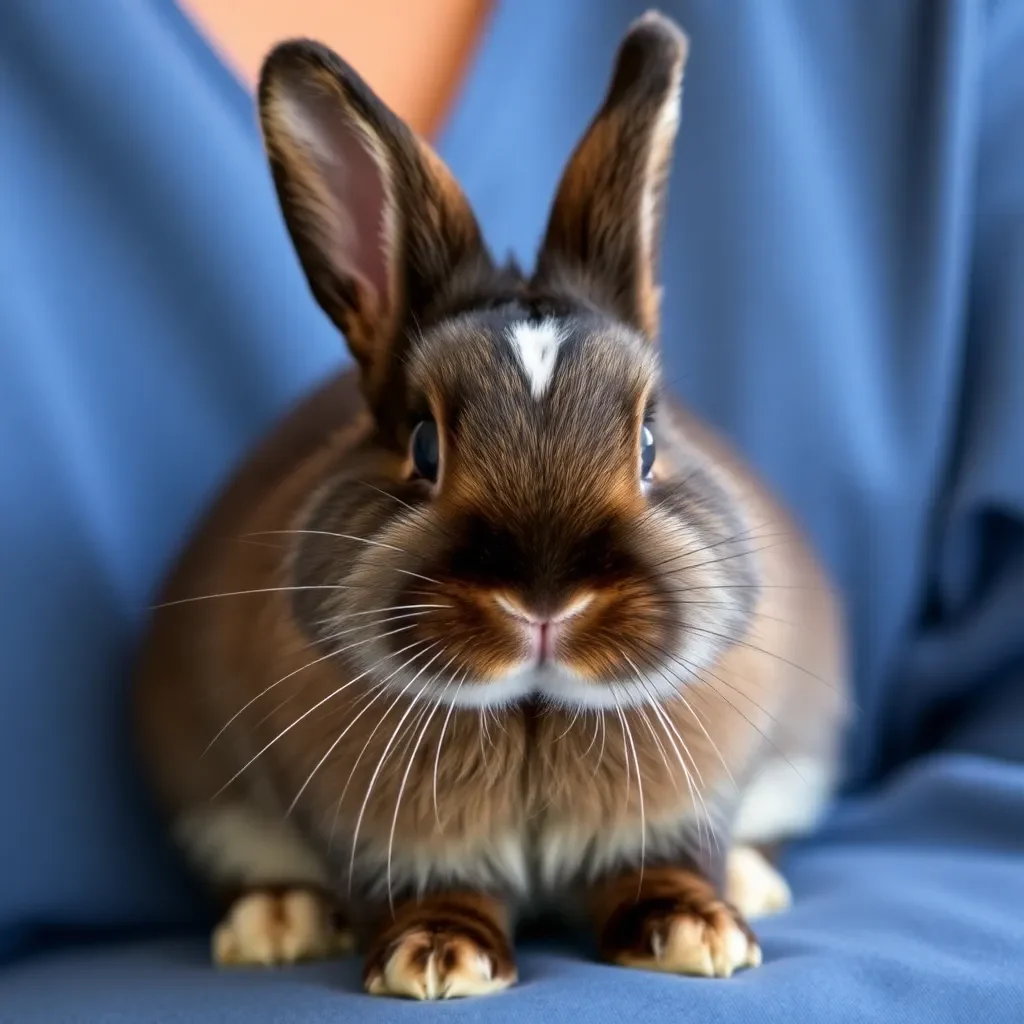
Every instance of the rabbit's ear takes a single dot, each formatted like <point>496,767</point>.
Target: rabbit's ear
<point>382,230</point>
<point>603,235</point>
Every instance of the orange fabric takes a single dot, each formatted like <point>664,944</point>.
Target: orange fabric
<point>414,53</point>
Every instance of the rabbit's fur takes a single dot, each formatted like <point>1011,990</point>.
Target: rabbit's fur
<point>436,687</point>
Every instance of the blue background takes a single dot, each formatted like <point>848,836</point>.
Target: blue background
<point>844,271</point>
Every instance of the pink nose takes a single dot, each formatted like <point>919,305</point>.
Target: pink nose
<point>543,630</point>
<point>542,640</point>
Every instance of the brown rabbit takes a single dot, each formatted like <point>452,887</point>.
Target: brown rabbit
<point>456,644</point>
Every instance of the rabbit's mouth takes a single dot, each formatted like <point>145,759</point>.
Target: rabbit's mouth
<point>554,683</point>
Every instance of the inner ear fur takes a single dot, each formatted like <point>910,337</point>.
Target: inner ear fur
<point>384,234</point>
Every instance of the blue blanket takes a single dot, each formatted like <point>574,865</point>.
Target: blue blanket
<point>844,271</point>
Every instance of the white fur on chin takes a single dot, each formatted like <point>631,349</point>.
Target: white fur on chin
<point>559,686</point>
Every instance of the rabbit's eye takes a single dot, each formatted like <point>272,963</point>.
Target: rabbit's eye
<point>426,450</point>
<point>646,453</point>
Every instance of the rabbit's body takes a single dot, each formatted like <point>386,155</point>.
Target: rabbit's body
<point>452,672</point>
<point>530,798</point>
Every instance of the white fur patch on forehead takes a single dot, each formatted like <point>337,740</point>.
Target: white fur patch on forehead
<point>536,346</point>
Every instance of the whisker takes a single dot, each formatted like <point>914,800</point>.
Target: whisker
<point>694,788</point>
<point>390,608</point>
<point>662,752</point>
<point>290,675</point>
<point>593,739</point>
<point>761,650</point>
<point>369,739</point>
<point>625,745</point>
<point>421,513</point>
<point>736,538</point>
<point>440,741</point>
<point>485,728</point>
<point>244,593</point>
<point>301,717</point>
<point>747,586</point>
<point>367,625</point>
<point>572,722</point>
<point>671,488</point>
<point>377,686</point>
<point>627,732</point>
<point>498,722</point>
<point>360,540</point>
<point>663,602</point>
<point>408,768</point>
<point>383,757</point>
<point>745,553</point>
<point>373,692</point>
<point>388,494</point>
<point>693,670</point>
<point>651,512</point>
<point>319,641</point>
<point>660,747</point>
<point>274,710</point>
<point>679,685</point>
<point>481,732</point>
<point>604,736</point>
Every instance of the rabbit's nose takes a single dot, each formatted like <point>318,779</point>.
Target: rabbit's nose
<point>542,627</point>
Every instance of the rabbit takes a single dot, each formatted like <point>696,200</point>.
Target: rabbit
<point>489,626</point>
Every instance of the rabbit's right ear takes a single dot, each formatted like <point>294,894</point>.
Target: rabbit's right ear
<point>382,230</point>
<point>604,231</point>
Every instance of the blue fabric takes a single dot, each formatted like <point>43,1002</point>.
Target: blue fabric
<point>844,270</point>
<point>153,323</point>
<point>889,925</point>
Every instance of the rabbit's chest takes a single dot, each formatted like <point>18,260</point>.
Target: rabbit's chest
<point>538,859</point>
<point>527,818</point>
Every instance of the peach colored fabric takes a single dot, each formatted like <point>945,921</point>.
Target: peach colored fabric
<point>412,52</point>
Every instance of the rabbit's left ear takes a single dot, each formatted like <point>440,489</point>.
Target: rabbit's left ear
<point>603,235</point>
<point>382,230</point>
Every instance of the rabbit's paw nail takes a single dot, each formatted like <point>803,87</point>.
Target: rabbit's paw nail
<point>705,939</point>
<point>439,963</point>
